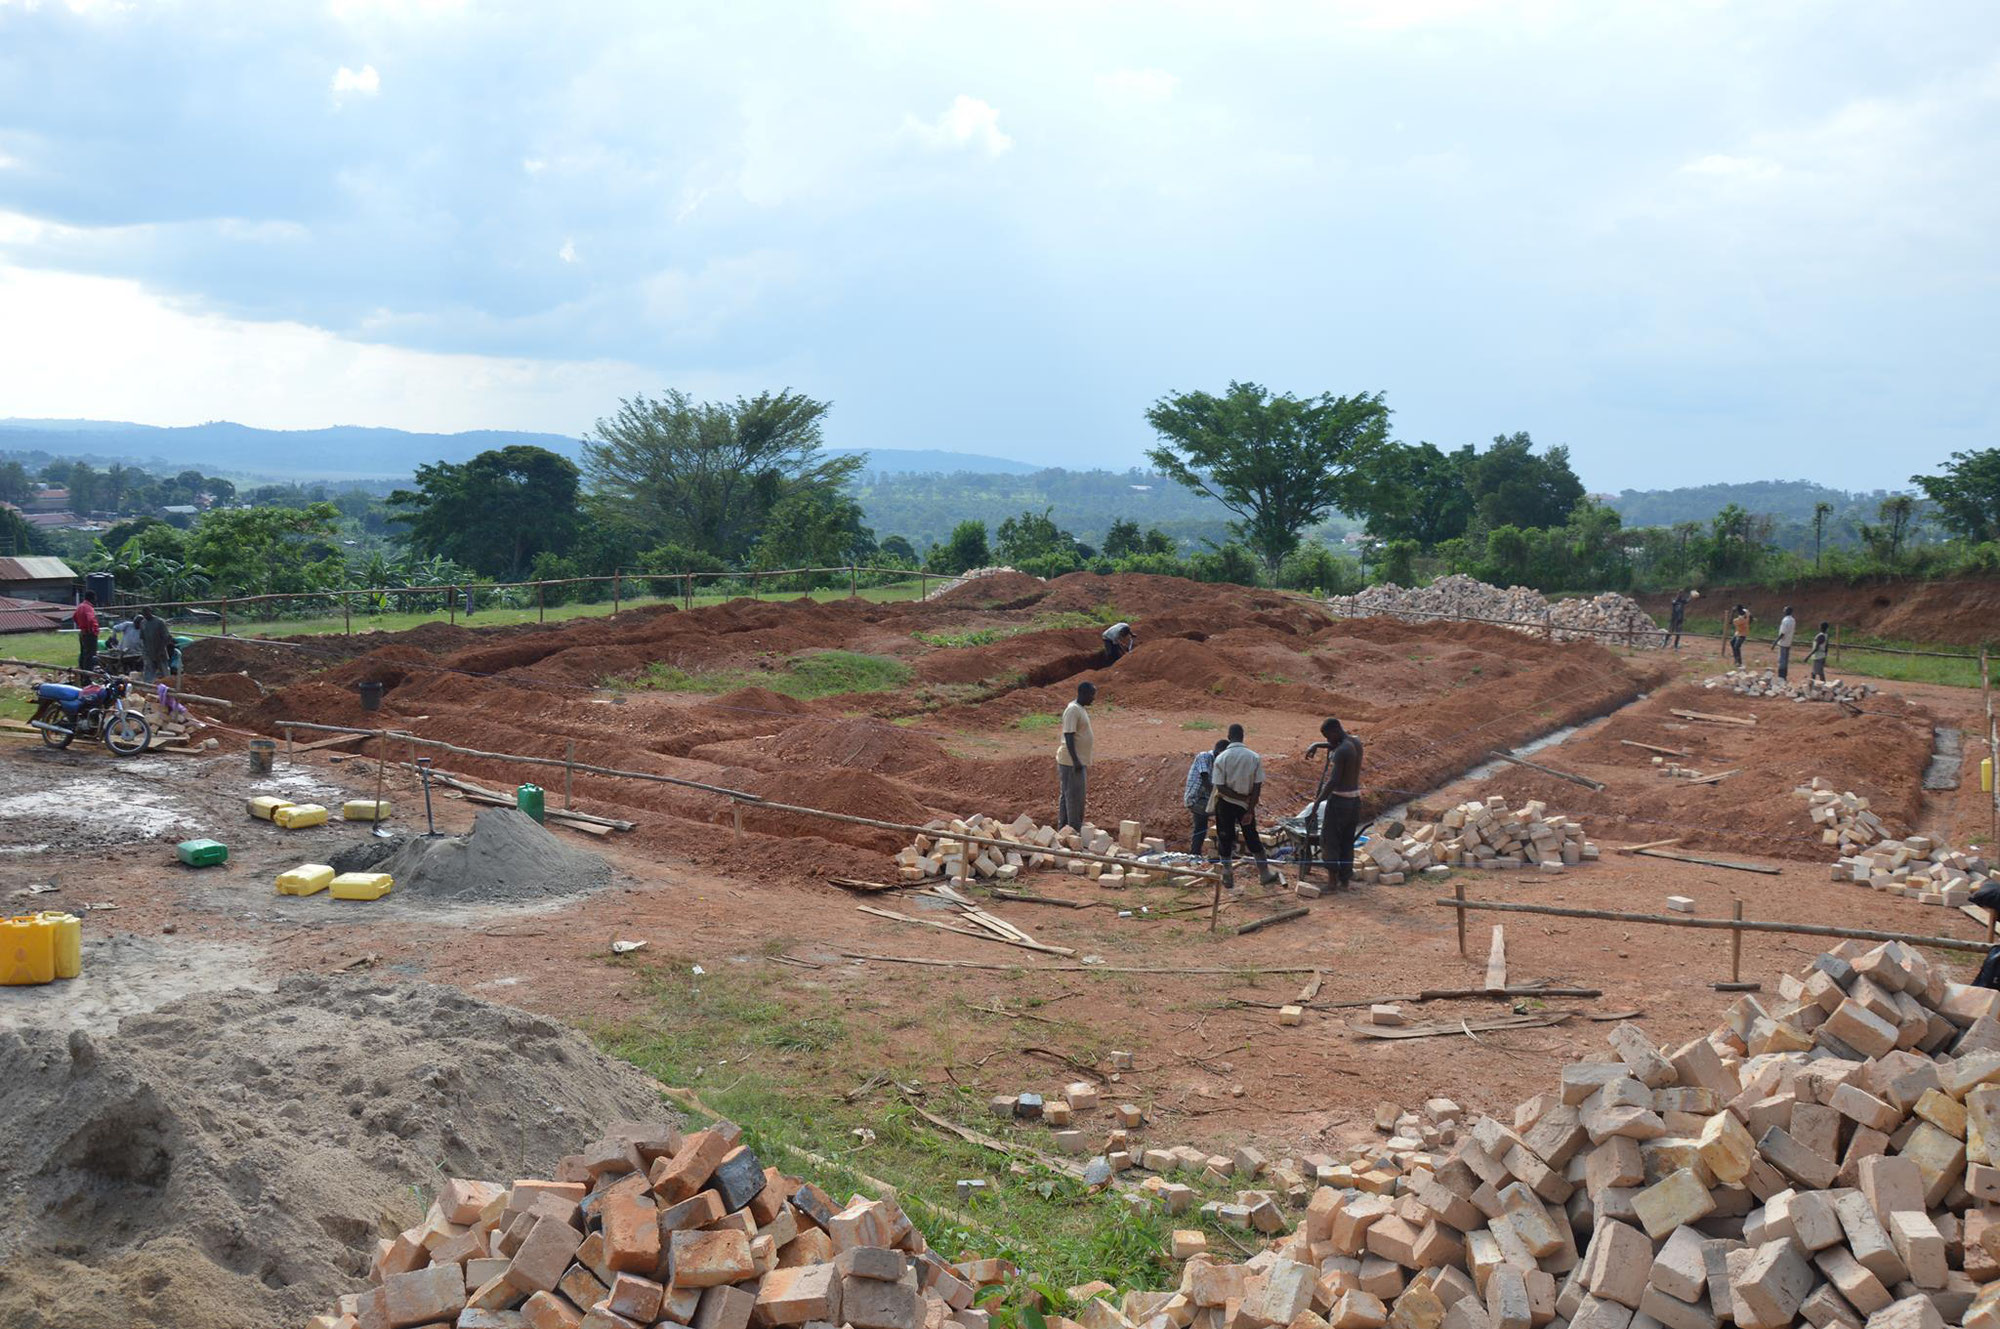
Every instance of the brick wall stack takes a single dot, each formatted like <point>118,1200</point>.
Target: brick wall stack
<point>940,852</point>
<point>1610,618</point>
<point>1922,868</point>
<point>1479,835</point>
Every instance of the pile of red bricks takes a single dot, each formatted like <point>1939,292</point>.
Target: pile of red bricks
<point>645,1227</point>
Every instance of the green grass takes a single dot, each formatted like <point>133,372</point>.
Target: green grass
<point>987,636</point>
<point>776,1071</point>
<point>807,676</point>
<point>1853,658</point>
<point>1199,724</point>
<point>1031,723</point>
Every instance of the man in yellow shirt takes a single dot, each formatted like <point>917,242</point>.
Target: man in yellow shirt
<point>1073,757</point>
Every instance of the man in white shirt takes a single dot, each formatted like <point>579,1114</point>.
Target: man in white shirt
<point>1787,628</point>
<point>1119,640</point>
<point>1073,758</point>
<point>1239,784</point>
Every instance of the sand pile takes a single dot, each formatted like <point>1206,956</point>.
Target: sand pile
<point>506,858</point>
<point>227,1161</point>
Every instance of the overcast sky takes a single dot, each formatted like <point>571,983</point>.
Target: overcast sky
<point>1693,241</point>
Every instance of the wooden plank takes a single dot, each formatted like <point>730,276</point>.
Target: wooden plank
<point>1272,920</point>
<point>1654,747</point>
<point>1160,970</point>
<point>1496,960</point>
<point>965,932</point>
<point>1714,924</point>
<point>1444,1027</point>
<point>1650,844</point>
<point>870,887</point>
<point>1708,862</point>
<point>1024,897</point>
<point>1716,778</point>
<point>1310,990</point>
<point>1714,719</point>
<point>338,740</point>
<point>1583,780</point>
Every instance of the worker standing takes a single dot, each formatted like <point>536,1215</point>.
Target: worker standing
<point>1119,641</point>
<point>1819,653</point>
<point>1739,632</point>
<point>1200,785</point>
<point>1677,613</point>
<point>156,645</point>
<point>1073,758</point>
<point>85,618</point>
<point>1339,802</point>
<point>1239,785</point>
<point>1787,628</point>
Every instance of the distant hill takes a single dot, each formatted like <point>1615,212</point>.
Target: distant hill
<point>1787,500</point>
<point>351,452</point>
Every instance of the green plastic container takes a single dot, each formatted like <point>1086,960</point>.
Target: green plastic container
<point>528,798</point>
<point>202,853</point>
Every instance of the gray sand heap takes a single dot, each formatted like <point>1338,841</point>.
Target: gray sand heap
<point>507,857</point>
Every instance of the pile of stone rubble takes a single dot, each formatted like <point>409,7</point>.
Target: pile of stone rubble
<point>1610,618</point>
<point>1766,683</point>
<point>1478,835</point>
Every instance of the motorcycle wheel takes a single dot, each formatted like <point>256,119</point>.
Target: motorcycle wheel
<point>57,739</point>
<point>127,735</point>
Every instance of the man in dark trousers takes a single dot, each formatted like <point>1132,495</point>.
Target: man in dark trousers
<point>1201,784</point>
<point>156,646</point>
<point>1677,613</point>
<point>1073,758</point>
<point>85,618</point>
<point>1787,628</point>
<point>1819,652</point>
<point>1339,802</point>
<point>1239,784</point>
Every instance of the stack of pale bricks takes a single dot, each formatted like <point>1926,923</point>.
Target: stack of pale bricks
<point>1917,867</point>
<point>646,1226</point>
<point>939,852</point>
<point>1766,683</point>
<point>1479,835</point>
<point>1833,1158</point>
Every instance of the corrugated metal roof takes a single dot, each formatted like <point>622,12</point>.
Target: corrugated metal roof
<point>35,569</point>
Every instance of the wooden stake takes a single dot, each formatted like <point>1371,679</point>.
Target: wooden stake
<point>1583,780</point>
<point>346,614</point>
<point>853,581</point>
<point>1282,916</point>
<point>569,771</point>
<point>1458,892</point>
<point>616,577</point>
<point>736,817</point>
<point>1654,747</point>
<point>451,607</point>
<point>539,610</point>
<point>382,765</point>
<point>1650,844</point>
<point>1736,946</point>
<point>1496,960</point>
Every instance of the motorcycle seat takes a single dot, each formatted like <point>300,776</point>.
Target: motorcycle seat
<point>62,692</point>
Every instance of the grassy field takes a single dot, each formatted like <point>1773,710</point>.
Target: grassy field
<point>807,676</point>
<point>1854,657</point>
<point>779,1073</point>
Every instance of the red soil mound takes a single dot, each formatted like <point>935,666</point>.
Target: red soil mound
<point>1002,590</point>
<point>1959,612</point>
<point>855,793</point>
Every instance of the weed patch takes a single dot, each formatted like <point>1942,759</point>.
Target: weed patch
<point>807,677</point>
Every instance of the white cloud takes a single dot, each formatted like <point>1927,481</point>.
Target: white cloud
<point>111,348</point>
<point>1136,87</point>
<point>568,251</point>
<point>1732,167</point>
<point>534,165</point>
<point>967,123</point>
<point>362,82</point>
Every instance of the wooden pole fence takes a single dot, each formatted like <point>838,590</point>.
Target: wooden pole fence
<point>1737,925</point>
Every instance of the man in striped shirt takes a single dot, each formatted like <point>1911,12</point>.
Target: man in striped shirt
<point>1200,784</point>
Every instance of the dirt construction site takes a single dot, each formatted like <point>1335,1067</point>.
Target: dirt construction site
<point>248,1099</point>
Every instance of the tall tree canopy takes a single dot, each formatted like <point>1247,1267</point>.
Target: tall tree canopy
<point>493,513</point>
<point>1413,492</point>
<point>1511,486</point>
<point>1279,462</point>
<point>707,475</point>
<point>1967,495</point>
<point>257,551</point>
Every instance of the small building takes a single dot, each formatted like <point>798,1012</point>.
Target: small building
<point>38,578</point>
<point>31,615</point>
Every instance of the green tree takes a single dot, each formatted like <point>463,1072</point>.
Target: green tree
<point>1034,535</point>
<point>965,549</point>
<point>900,550</point>
<point>707,474</point>
<point>814,528</point>
<point>1821,511</point>
<point>1511,486</point>
<point>1886,540</point>
<point>15,486</point>
<point>493,513</point>
<point>18,536</point>
<point>1123,539</point>
<point>1279,462</point>
<point>1967,495</point>
<point>256,551</point>
<point>1413,493</point>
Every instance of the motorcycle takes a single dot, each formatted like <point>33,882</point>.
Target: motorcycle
<point>67,712</point>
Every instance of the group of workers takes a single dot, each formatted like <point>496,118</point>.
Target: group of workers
<point>1739,633</point>
<point>1225,785</point>
<point>144,635</point>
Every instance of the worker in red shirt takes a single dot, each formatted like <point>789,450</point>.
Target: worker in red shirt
<point>85,618</point>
